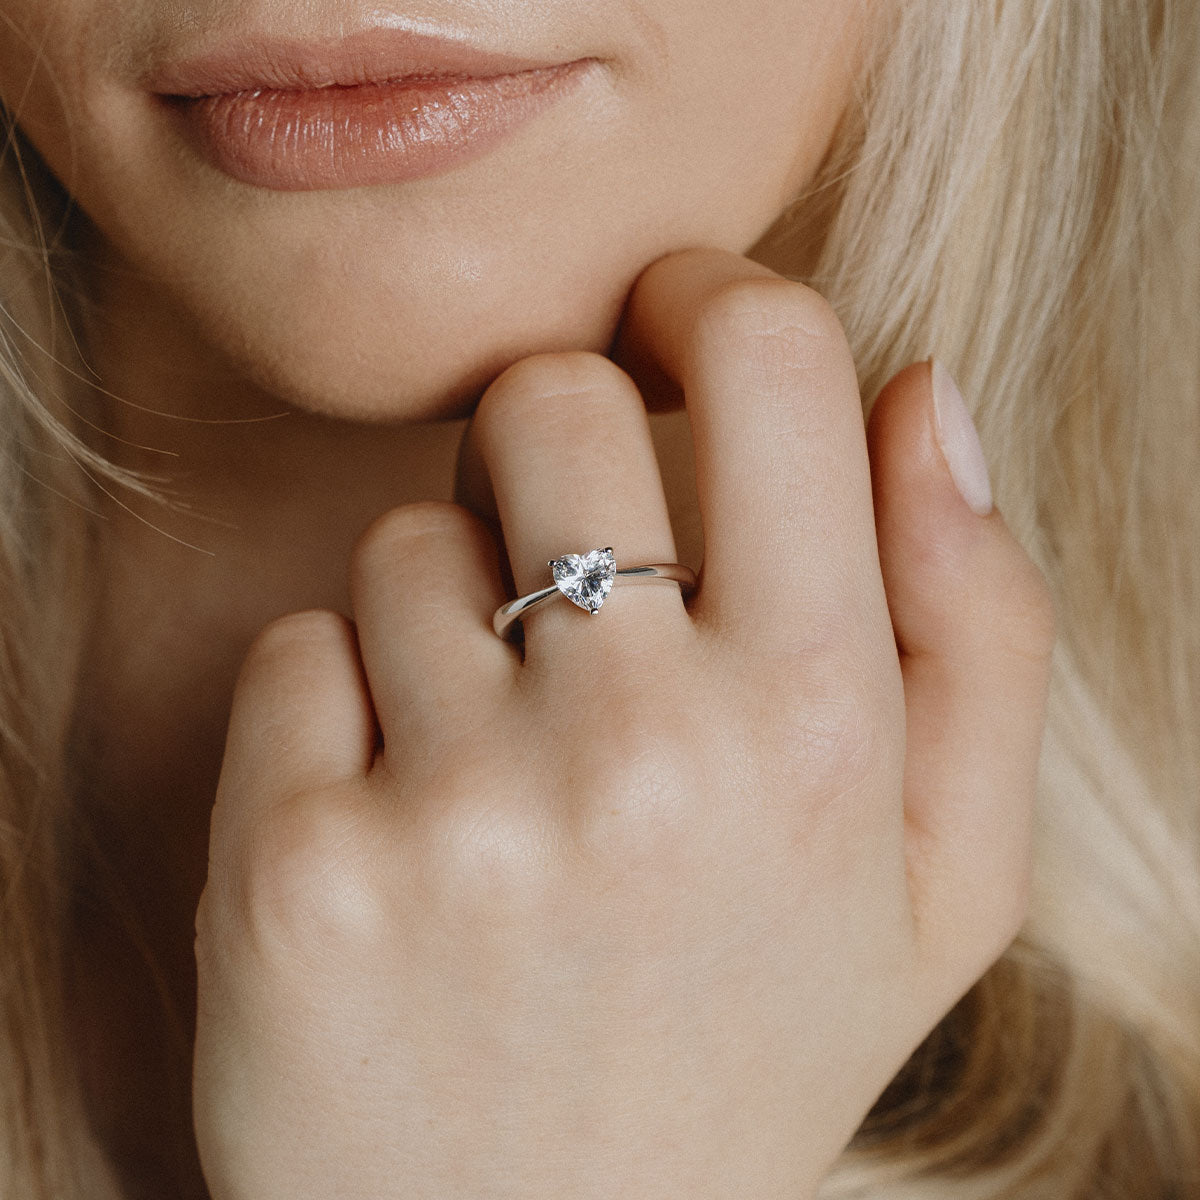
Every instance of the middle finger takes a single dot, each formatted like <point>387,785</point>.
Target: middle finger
<point>782,473</point>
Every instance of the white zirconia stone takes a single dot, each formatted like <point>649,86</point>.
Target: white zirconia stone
<point>585,579</point>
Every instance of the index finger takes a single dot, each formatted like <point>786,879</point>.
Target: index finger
<point>782,472</point>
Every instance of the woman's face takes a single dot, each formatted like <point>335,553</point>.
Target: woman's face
<point>698,121</point>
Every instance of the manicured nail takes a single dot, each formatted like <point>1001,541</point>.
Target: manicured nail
<point>959,442</point>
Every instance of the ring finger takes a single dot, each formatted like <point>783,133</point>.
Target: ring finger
<point>565,444</point>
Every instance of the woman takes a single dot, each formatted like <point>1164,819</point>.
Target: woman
<point>736,887</point>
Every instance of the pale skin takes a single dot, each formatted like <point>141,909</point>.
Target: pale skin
<point>459,930</point>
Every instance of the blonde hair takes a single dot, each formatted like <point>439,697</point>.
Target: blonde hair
<point>1011,192</point>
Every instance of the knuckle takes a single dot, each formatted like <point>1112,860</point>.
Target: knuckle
<point>835,738</point>
<point>632,781</point>
<point>824,643</point>
<point>405,533</point>
<point>291,636</point>
<point>487,854</point>
<point>425,520</point>
<point>789,325</point>
<point>303,878</point>
<point>638,813</point>
<point>845,705</point>
<point>528,388</point>
<point>833,744</point>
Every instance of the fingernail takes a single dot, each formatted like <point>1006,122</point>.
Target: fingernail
<point>959,442</point>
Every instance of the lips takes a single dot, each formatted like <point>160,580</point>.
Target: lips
<point>369,56</point>
<point>384,106</point>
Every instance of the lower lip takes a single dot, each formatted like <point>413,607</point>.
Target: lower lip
<point>344,137</point>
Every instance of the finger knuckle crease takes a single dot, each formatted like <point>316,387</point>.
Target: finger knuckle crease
<point>409,525</point>
<point>295,634</point>
<point>837,742</point>
<point>631,805</point>
<point>532,384</point>
<point>789,322</point>
<point>304,879</point>
<point>488,852</point>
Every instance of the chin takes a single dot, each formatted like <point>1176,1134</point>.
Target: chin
<point>412,348</point>
<point>405,372</point>
<point>336,377</point>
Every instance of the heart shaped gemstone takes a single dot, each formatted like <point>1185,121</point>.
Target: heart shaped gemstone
<point>585,579</point>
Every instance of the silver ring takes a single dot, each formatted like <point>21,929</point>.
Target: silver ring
<point>586,580</point>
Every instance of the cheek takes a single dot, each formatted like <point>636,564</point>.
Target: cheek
<point>756,90</point>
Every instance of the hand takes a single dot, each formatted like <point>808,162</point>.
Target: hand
<point>658,909</point>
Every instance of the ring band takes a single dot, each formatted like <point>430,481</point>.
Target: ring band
<point>586,580</point>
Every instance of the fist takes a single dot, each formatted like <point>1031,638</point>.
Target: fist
<point>658,903</point>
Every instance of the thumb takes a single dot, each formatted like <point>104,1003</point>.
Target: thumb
<point>974,625</point>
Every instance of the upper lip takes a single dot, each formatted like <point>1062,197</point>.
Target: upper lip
<point>380,55</point>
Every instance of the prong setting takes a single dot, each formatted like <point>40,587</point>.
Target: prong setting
<point>585,579</point>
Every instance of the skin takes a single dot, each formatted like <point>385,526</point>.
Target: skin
<point>801,815</point>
